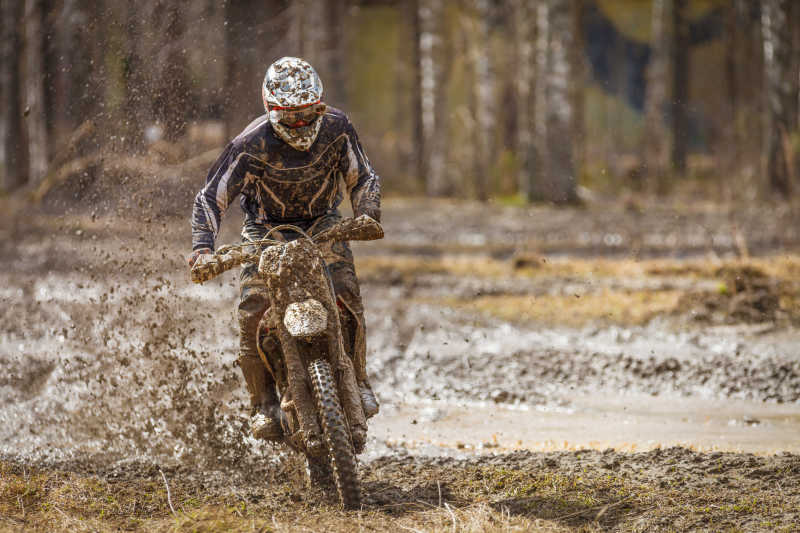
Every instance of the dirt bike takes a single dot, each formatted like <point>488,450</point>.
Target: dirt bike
<point>301,344</point>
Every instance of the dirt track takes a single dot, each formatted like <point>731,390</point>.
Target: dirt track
<point>552,322</point>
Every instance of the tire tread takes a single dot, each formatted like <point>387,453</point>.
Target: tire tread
<point>337,437</point>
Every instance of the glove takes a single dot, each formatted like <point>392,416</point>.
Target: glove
<point>192,258</point>
<point>373,212</point>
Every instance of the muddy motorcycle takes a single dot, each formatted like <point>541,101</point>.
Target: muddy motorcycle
<point>301,344</point>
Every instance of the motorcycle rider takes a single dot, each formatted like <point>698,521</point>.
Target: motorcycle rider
<point>290,166</point>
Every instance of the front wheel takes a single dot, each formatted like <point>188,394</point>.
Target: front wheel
<point>337,436</point>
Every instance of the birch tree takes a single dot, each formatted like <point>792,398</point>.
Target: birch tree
<point>657,143</point>
<point>555,177</point>
<point>418,163</point>
<point>481,95</point>
<point>781,94</point>
<point>524,39</point>
<point>577,84</point>
<point>431,123</point>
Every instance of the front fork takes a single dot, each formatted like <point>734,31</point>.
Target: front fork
<point>296,396</point>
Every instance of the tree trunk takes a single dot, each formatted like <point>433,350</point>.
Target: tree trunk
<point>539,167</point>
<point>14,169</point>
<point>55,116</point>
<point>171,101</point>
<point>781,93</point>
<point>577,84</point>
<point>332,57</point>
<point>680,85</point>
<point>138,114</point>
<point>482,88</point>
<point>432,120</point>
<point>417,130</point>
<point>34,83</point>
<point>524,37</point>
<point>730,138</point>
<point>277,35</point>
<point>657,97</point>
<point>87,75</point>
<point>554,113</point>
<point>60,56</point>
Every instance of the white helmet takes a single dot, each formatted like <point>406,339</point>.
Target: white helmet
<point>292,93</point>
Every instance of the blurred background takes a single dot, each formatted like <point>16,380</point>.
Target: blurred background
<point>513,100</point>
<point>592,215</point>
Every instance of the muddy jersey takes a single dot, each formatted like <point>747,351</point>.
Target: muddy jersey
<point>278,183</point>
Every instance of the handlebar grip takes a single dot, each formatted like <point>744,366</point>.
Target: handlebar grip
<point>209,266</point>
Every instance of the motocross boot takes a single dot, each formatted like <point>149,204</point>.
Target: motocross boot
<point>265,420</point>
<point>265,416</point>
<point>354,336</point>
<point>368,400</point>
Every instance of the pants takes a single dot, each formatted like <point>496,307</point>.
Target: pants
<point>254,301</point>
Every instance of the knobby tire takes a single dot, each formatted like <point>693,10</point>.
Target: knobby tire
<point>337,436</point>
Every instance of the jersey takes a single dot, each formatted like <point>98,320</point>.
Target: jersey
<point>279,184</point>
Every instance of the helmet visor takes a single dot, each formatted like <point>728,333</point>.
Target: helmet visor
<point>297,117</point>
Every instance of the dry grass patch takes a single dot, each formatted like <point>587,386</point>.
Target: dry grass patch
<point>618,307</point>
<point>754,290</point>
<point>540,493</point>
<point>531,265</point>
<point>404,267</point>
<point>55,500</point>
<point>36,500</point>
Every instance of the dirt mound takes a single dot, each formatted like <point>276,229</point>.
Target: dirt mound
<point>745,294</point>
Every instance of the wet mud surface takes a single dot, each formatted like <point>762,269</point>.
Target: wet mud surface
<point>555,323</point>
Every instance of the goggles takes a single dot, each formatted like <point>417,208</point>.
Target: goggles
<point>297,117</point>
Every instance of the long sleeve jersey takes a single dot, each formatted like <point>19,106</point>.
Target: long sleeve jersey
<point>279,184</point>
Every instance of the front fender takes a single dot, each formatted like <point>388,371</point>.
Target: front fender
<point>306,319</point>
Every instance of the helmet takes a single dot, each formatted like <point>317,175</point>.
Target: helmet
<point>292,93</point>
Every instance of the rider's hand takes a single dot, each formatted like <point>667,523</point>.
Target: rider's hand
<point>372,212</point>
<point>192,258</point>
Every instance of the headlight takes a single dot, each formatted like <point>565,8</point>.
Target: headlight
<point>306,319</point>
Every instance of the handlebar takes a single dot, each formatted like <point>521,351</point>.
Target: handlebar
<point>209,266</point>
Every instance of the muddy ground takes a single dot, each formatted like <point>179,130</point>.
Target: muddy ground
<point>619,366</point>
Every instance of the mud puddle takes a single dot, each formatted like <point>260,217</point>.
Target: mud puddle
<point>107,348</point>
<point>146,368</point>
<point>424,351</point>
<point>629,423</point>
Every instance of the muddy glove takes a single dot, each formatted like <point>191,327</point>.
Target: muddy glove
<point>192,258</point>
<point>372,211</point>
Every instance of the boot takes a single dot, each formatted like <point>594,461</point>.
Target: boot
<point>355,347</point>
<point>368,400</point>
<point>265,416</point>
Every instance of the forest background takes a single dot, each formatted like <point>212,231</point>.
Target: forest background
<point>513,100</point>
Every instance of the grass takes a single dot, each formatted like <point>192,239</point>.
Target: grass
<point>619,307</point>
<point>783,267</point>
<point>619,291</point>
<point>404,496</point>
<point>42,500</point>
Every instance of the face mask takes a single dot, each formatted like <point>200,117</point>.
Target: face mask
<point>300,138</point>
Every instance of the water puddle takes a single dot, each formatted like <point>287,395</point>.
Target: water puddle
<point>625,423</point>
